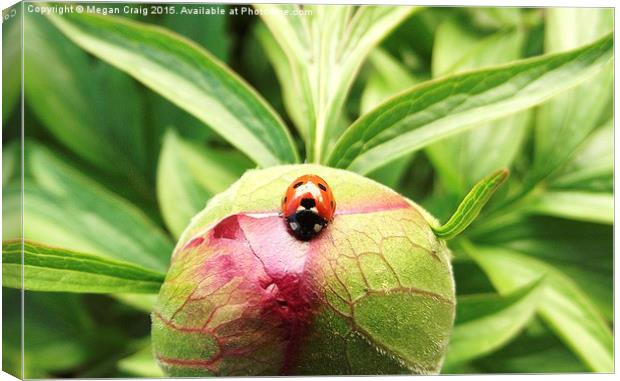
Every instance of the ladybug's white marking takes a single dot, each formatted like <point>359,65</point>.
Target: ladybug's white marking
<point>313,209</point>
<point>317,228</point>
<point>294,225</point>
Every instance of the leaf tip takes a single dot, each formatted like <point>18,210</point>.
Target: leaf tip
<point>500,175</point>
<point>472,204</point>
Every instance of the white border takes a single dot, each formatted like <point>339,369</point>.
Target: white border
<point>503,3</point>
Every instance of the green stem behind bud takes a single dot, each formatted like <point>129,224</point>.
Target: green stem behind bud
<point>471,205</point>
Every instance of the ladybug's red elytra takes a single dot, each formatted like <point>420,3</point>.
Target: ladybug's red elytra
<point>308,206</point>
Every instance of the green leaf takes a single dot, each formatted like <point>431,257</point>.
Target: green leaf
<point>455,45</point>
<point>65,208</point>
<point>122,113</point>
<point>412,42</point>
<point>495,17</point>
<point>564,306</point>
<point>325,50</point>
<point>12,324</point>
<point>592,167</point>
<point>291,48</point>
<point>12,210</point>
<point>162,114</point>
<point>189,175</point>
<point>471,205</point>
<point>532,353</point>
<point>213,35</point>
<point>581,206</point>
<point>565,122</point>
<point>457,159</point>
<point>295,107</point>
<point>486,322</point>
<point>582,251</point>
<point>98,116</point>
<point>47,268</point>
<point>11,162</point>
<point>440,108</point>
<point>289,32</point>
<point>188,76</point>
<point>54,323</point>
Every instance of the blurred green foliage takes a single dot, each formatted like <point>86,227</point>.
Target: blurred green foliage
<point>106,159</point>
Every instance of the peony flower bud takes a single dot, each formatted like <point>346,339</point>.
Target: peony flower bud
<point>372,293</point>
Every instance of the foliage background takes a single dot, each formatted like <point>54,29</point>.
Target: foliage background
<point>112,168</point>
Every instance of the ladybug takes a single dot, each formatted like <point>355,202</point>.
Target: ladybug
<point>308,206</point>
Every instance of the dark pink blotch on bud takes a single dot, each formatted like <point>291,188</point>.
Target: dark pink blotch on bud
<point>270,266</point>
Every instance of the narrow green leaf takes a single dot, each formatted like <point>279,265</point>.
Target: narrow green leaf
<point>534,351</point>
<point>486,322</point>
<point>565,122</point>
<point>295,107</point>
<point>495,17</point>
<point>583,251</point>
<point>563,305</point>
<point>65,208</point>
<point>12,323</point>
<point>443,107</point>
<point>162,113</point>
<point>325,50</point>
<point>581,206</point>
<point>288,47</point>
<point>99,116</point>
<point>455,46</point>
<point>188,76</point>
<point>47,268</point>
<point>213,35</point>
<point>412,41</point>
<point>189,175</point>
<point>289,30</point>
<point>471,205</point>
<point>122,114</point>
<point>12,210</point>
<point>457,158</point>
<point>368,26</point>
<point>592,167</point>
<point>54,323</point>
<point>11,162</point>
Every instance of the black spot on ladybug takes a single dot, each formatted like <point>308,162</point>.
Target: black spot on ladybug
<point>332,204</point>
<point>308,203</point>
<point>323,188</point>
<point>304,224</point>
<point>298,184</point>
<point>285,198</point>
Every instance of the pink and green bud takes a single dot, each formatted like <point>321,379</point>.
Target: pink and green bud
<point>373,293</point>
